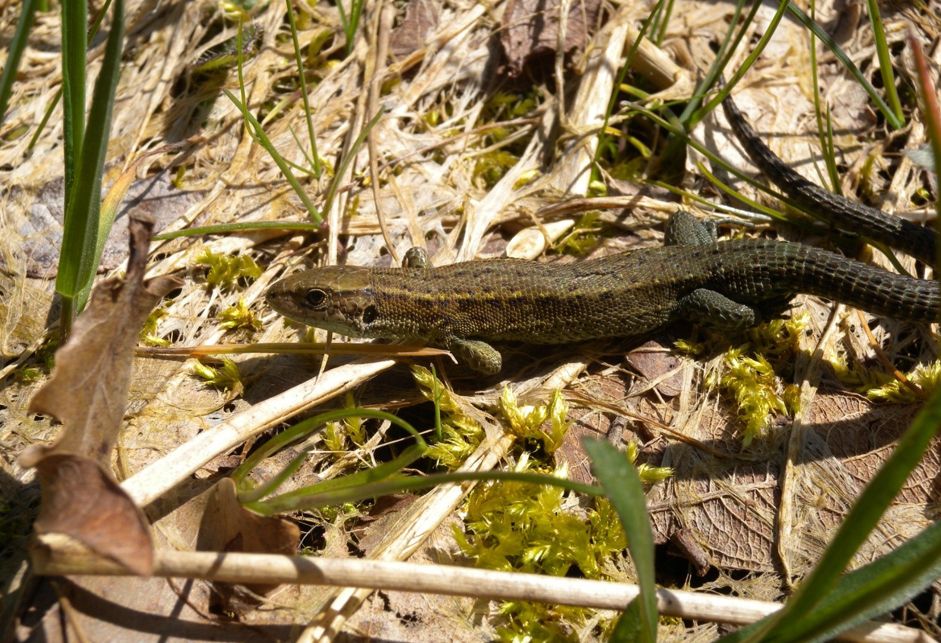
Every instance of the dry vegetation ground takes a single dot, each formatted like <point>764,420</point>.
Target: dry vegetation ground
<point>466,158</point>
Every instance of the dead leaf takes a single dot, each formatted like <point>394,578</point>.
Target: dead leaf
<point>421,17</point>
<point>80,500</point>
<point>376,524</point>
<point>87,393</point>
<point>531,29</point>
<point>656,363</point>
<point>729,506</point>
<point>227,526</point>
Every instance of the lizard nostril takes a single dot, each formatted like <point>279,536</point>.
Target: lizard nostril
<point>370,314</point>
<point>315,298</point>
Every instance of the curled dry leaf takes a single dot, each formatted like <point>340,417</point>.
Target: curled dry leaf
<point>81,500</point>
<point>421,18</point>
<point>531,28</point>
<point>87,393</point>
<point>226,526</point>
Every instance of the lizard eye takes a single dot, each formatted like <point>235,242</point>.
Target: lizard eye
<point>370,314</point>
<point>315,298</point>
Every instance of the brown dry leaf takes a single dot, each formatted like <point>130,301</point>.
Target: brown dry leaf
<point>81,500</point>
<point>384,514</point>
<point>531,29</point>
<point>729,506</point>
<point>421,18</point>
<point>656,363</point>
<point>87,393</point>
<point>226,526</point>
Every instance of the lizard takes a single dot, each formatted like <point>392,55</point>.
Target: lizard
<point>729,284</point>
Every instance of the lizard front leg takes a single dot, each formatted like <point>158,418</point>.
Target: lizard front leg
<point>477,355</point>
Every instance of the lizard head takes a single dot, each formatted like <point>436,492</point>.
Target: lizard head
<point>335,298</point>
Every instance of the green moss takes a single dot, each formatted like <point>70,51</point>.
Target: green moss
<point>226,377</point>
<point>239,317</point>
<point>225,271</point>
<point>460,434</point>
<point>546,422</point>
<point>922,382</point>
<point>583,237</point>
<point>148,334</point>
<point>491,167</point>
<point>750,379</point>
<point>520,527</point>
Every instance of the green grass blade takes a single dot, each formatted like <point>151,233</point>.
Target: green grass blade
<point>306,427</point>
<point>750,58</point>
<point>334,186</point>
<point>258,133</point>
<point>81,229</point>
<point>831,44</point>
<point>299,500</point>
<point>74,44</point>
<point>885,59</point>
<point>691,114</point>
<point>623,487</point>
<point>15,53</point>
<point>859,523</point>
<point>302,78</point>
<point>247,226</point>
<point>873,590</point>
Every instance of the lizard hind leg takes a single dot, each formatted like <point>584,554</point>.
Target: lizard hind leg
<point>711,308</point>
<point>683,229</point>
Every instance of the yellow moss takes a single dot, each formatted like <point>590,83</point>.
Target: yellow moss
<point>924,377</point>
<point>647,473</point>
<point>753,385</point>
<point>583,237</point>
<point>529,528</point>
<point>225,271</point>
<point>530,421</point>
<point>239,317</point>
<point>460,433</point>
<point>226,377</point>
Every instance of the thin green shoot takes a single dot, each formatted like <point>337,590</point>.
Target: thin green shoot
<point>300,499</point>
<point>885,60</point>
<point>258,133</point>
<point>750,58</point>
<point>302,77</point>
<point>240,58</point>
<point>15,53</point>
<point>247,226</point>
<point>350,22</point>
<point>691,114</point>
<point>810,24</point>
<point>851,67</point>
<point>302,430</point>
<point>334,186</point>
<point>826,139</point>
<point>667,13</point>
<point>622,72</point>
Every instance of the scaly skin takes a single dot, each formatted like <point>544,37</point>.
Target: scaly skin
<point>463,306</point>
<point>850,217</point>
<point>726,284</point>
